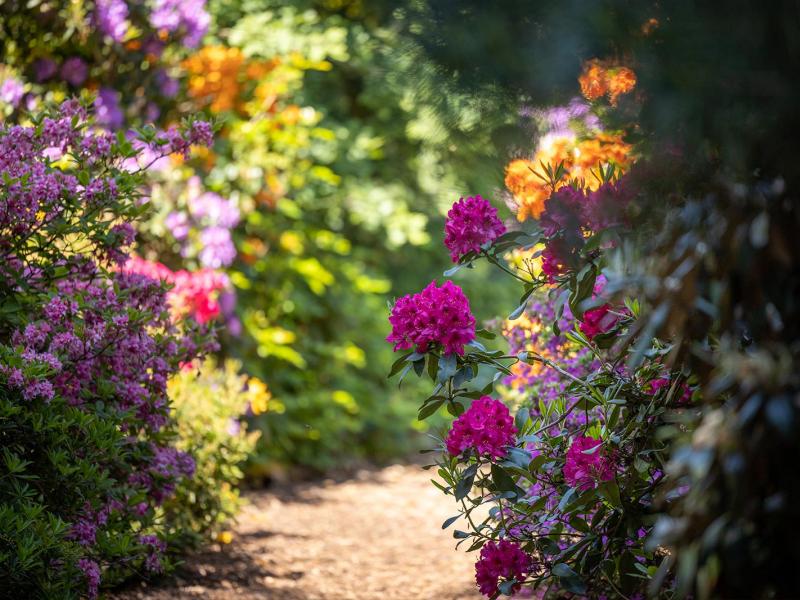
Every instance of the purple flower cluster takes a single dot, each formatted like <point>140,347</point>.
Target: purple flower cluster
<point>91,571</point>
<point>485,427</point>
<point>471,223</point>
<point>11,91</point>
<point>189,17</point>
<point>588,463</point>
<point>108,112</point>
<point>74,71</point>
<point>436,316</point>
<point>501,560</point>
<point>112,18</point>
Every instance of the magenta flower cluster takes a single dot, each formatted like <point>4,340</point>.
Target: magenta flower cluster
<point>434,317</point>
<point>588,463</point>
<point>486,427</point>
<point>569,213</point>
<point>471,223</point>
<point>501,561</point>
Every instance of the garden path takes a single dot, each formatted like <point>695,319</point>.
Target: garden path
<point>374,536</point>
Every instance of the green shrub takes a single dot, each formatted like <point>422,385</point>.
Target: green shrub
<point>209,405</point>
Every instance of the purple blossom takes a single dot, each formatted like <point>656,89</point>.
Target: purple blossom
<point>91,571</point>
<point>218,249</point>
<point>11,91</point>
<point>108,113</point>
<point>44,69</point>
<point>212,209</point>
<point>186,16</point>
<point>112,18</point>
<point>74,71</point>
<point>178,224</point>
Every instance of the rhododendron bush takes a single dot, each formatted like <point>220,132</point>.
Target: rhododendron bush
<point>561,492</point>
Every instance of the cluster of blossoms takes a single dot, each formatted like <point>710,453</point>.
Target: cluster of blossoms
<point>199,294</point>
<point>12,90</point>
<point>684,392</point>
<point>588,463</point>
<point>188,17</point>
<point>471,223</point>
<point>436,316</point>
<point>95,339</point>
<point>535,382</point>
<point>486,427</point>
<point>204,229</point>
<point>572,138</point>
<point>600,78</point>
<point>501,560</point>
<point>570,213</point>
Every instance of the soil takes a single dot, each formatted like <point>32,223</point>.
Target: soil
<point>376,535</point>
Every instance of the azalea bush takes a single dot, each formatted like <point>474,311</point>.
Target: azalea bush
<point>87,348</point>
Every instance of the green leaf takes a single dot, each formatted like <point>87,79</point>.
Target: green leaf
<point>430,408</point>
<point>447,367</point>
<point>503,482</point>
<point>450,521</point>
<point>568,578</point>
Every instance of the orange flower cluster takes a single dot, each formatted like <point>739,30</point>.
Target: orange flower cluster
<point>217,76</point>
<point>598,80</point>
<point>527,180</point>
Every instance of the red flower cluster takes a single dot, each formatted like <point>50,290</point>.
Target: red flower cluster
<point>195,293</point>
<point>436,316</point>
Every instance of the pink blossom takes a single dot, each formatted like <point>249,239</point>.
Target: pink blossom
<point>502,559</point>
<point>471,223</point>
<point>588,463</point>
<point>435,316</point>
<point>684,392</point>
<point>486,427</point>
<point>598,320</point>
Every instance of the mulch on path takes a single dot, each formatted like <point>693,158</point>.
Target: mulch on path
<point>375,536</point>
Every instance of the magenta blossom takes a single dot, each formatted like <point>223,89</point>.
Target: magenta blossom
<point>435,316</point>
<point>588,463</point>
<point>684,392</point>
<point>471,223</point>
<point>502,559</point>
<point>486,427</point>
<point>597,321</point>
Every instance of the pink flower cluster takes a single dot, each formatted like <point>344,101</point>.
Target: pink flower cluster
<point>486,426</point>
<point>471,223</point>
<point>597,321</point>
<point>684,395</point>
<point>436,316</point>
<point>194,293</point>
<point>501,560</point>
<point>588,463</point>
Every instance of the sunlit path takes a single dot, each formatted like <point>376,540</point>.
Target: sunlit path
<point>377,535</point>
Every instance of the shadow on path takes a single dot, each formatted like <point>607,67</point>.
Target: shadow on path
<point>376,535</point>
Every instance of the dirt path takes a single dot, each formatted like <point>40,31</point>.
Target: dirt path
<point>376,536</point>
